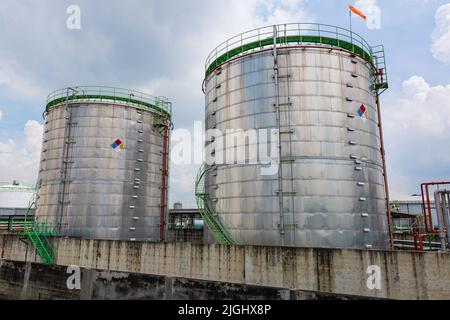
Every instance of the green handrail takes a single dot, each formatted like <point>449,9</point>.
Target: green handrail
<point>38,234</point>
<point>215,225</point>
<point>99,93</point>
<point>297,34</point>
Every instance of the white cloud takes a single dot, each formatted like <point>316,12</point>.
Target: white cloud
<point>1,115</point>
<point>22,162</point>
<point>144,45</point>
<point>441,34</point>
<point>417,128</point>
<point>19,82</point>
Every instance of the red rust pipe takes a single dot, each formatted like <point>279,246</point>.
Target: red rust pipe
<point>164,186</point>
<point>423,208</point>
<point>426,206</point>
<point>385,176</point>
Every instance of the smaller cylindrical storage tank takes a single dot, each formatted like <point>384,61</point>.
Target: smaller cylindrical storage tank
<point>16,195</point>
<point>317,86</point>
<point>104,164</point>
<point>16,201</point>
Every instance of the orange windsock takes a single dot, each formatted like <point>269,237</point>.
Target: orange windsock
<point>358,12</point>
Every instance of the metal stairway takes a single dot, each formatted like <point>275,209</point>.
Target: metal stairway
<point>38,234</point>
<point>215,225</point>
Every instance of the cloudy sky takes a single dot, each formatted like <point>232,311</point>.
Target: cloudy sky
<point>160,47</point>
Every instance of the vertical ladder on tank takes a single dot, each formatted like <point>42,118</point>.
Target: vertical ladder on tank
<point>380,77</point>
<point>278,119</point>
<point>136,183</point>
<point>283,111</point>
<point>163,125</point>
<point>66,161</point>
<point>286,133</point>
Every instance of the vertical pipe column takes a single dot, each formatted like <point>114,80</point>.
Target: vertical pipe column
<point>439,199</point>
<point>383,158</point>
<point>164,185</point>
<point>447,215</point>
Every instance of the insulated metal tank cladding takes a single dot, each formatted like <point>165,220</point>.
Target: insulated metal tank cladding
<point>103,172</point>
<point>319,93</point>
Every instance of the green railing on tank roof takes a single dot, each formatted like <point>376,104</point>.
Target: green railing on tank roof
<point>109,94</point>
<point>297,34</point>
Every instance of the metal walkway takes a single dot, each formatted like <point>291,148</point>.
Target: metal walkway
<point>212,220</point>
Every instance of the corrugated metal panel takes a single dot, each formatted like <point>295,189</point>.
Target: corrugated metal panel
<point>333,178</point>
<point>109,193</point>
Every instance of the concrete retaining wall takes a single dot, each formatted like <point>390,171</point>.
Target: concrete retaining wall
<point>404,275</point>
<point>32,281</point>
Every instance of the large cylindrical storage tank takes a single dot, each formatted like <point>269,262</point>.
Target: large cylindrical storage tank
<point>103,172</point>
<point>310,86</point>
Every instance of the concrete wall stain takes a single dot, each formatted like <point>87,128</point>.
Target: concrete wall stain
<point>338,272</point>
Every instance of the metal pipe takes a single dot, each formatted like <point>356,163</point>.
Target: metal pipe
<point>427,205</point>
<point>386,185</point>
<point>164,185</point>
<point>446,213</point>
<point>423,207</point>
<point>438,196</point>
<point>430,217</point>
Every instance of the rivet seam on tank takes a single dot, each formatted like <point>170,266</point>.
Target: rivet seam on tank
<point>362,199</point>
<point>367,230</point>
<point>132,229</point>
<point>350,115</point>
<point>365,215</point>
